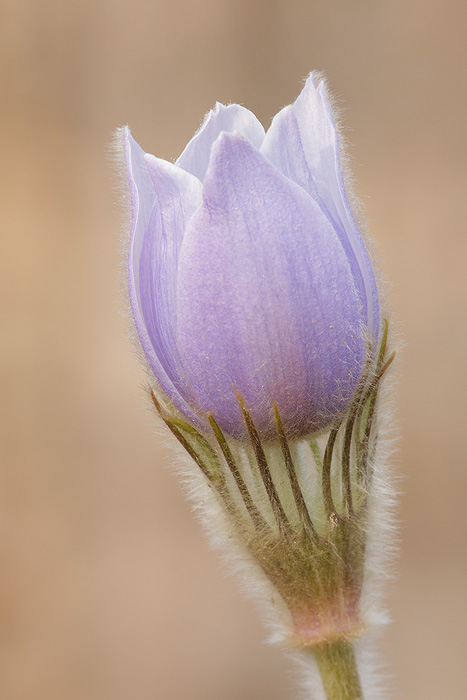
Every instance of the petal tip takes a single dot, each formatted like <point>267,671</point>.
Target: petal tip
<point>227,144</point>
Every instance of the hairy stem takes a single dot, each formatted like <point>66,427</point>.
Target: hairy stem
<point>338,668</point>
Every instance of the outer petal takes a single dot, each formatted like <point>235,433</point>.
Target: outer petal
<point>267,304</point>
<point>230,118</point>
<point>302,142</point>
<point>162,197</point>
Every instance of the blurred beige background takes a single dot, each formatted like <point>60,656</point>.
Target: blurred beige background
<point>108,590</point>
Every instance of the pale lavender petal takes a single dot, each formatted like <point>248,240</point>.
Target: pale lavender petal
<point>283,146</point>
<point>230,118</point>
<point>267,304</point>
<point>178,195</point>
<point>303,143</point>
<point>162,199</point>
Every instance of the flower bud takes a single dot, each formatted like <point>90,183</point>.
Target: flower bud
<point>249,282</point>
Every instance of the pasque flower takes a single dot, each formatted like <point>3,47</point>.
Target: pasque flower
<point>256,307</point>
<point>249,281</point>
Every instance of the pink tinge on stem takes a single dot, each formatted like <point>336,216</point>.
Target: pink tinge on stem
<point>326,621</point>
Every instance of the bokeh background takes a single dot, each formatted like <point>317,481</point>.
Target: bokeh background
<point>108,590</point>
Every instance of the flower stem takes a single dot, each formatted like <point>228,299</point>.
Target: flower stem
<point>338,668</point>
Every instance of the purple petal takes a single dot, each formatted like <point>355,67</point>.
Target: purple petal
<point>162,198</point>
<point>230,118</point>
<point>267,304</point>
<point>303,143</point>
<point>283,146</point>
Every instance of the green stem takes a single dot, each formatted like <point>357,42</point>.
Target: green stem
<point>339,673</point>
